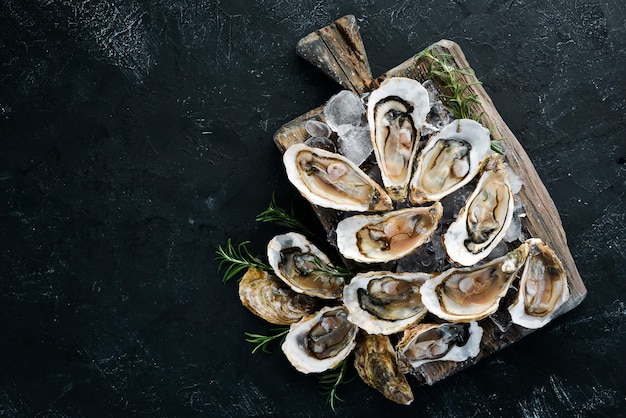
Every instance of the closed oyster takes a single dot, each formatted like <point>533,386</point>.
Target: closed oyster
<point>472,293</point>
<point>299,263</point>
<point>482,222</point>
<point>450,160</point>
<point>332,181</point>
<point>271,299</point>
<point>375,361</point>
<point>320,341</point>
<point>542,289</point>
<point>382,238</point>
<point>395,112</point>
<point>425,343</point>
<point>382,302</point>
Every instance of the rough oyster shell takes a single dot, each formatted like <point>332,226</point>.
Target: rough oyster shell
<point>375,361</point>
<point>297,262</point>
<point>332,181</point>
<point>472,293</point>
<point>395,112</point>
<point>382,302</point>
<point>320,341</point>
<point>450,160</point>
<point>542,289</point>
<point>483,221</point>
<point>271,299</point>
<point>425,343</point>
<point>382,238</point>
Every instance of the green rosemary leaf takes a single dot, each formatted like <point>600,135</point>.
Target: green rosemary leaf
<point>262,341</point>
<point>280,216</point>
<point>237,259</point>
<point>330,381</point>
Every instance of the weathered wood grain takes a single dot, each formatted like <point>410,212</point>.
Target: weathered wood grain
<point>542,218</point>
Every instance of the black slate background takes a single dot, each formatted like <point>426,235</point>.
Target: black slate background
<point>137,136</point>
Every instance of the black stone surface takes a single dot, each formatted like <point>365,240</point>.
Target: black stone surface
<point>137,136</point>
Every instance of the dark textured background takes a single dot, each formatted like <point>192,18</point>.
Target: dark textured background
<point>137,136</point>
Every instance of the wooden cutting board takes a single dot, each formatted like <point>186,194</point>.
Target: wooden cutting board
<point>338,51</point>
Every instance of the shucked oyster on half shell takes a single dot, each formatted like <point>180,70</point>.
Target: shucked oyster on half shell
<point>320,341</point>
<point>271,299</point>
<point>472,293</point>
<point>542,289</point>
<point>383,302</point>
<point>450,160</point>
<point>395,112</point>
<point>382,238</point>
<point>332,181</point>
<point>482,222</point>
<point>425,343</point>
<point>298,262</point>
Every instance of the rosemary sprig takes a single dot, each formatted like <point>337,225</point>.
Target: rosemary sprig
<point>280,216</point>
<point>324,269</point>
<point>262,341</point>
<point>331,380</point>
<point>238,259</point>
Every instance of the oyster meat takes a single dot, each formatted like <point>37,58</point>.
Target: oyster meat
<point>384,302</point>
<point>395,112</point>
<point>425,343</point>
<point>483,221</point>
<point>332,181</point>
<point>298,262</point>
<point>382,238</point>
<point>320,341</point>
<point>270,298</point>
<point>542,289</point>
<point>472,293</point>
<point>450,160</point>
<point>375,361</point>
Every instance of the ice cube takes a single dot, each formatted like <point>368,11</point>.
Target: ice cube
<point>316,128</point>
<point>344,108</point>
<point>354,142</point>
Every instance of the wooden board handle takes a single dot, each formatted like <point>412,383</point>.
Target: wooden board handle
<point>338,51</point>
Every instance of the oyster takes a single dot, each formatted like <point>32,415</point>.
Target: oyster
<point>375,361</point>
<point>450,160</point>
<point>395,112</point>
<point>472,293</point>
<point>425,343</point>
<point>299,263</point>
<point>381,238</point>
<point>542,289</point>
<point>483,221</point>
<point>320,341</point>
<point>385,302</point>
<point>271,299</point>
<point>332,181</point>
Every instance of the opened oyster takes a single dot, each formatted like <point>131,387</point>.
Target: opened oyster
<point>542,289</point>
<point>385,302</point>
<point>332,181</point>
<point>320,341</point>
<point>395,112</point>
<point>483,221</point>
<point>450,160</point>
<point>425,343</point>
<point>271,299</point>
<point>300,264</point>
<point>381,238</point>
<point>375,361</point>
<point>472,293</point>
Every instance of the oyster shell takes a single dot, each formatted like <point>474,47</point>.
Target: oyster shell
<point>542,289</point>
<point>297,262</point>
<point>395,112</point>
<point>381,238</point>
<point>320,341</point>
<point>271,299</point>
<point>450,160</point>
<point>472,293</point>
<point>332,181</point>
<point>483,221</point>
<point>375,361</point>
<point>425,343</point>
<point>382,302</point>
